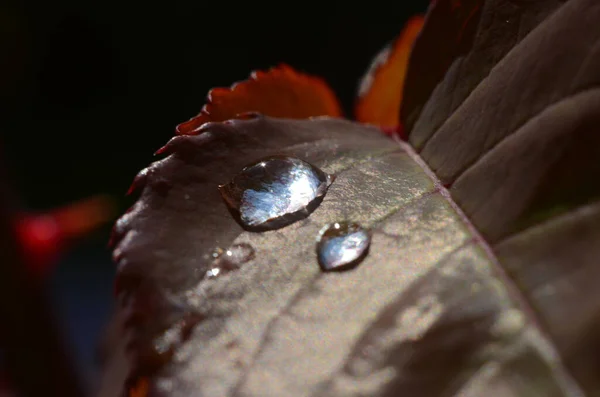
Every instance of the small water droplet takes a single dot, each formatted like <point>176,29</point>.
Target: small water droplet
<point>342,245</point>
<point>217,252</point>
<point>230,259</point>
<point>213,273</point>
<point>275,192</point>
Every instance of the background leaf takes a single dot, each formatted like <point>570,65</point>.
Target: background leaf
<point>461,43</point>
<point>278,92</point>
<point>485,288</point>
<point>380,90</point>
<point>527,176</point>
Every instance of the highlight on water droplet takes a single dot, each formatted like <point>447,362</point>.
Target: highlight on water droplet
<point>216,253</point>
<point>275,192</point>
<point>213,272</point>
<point>342,245</point>
<point>230,259</point>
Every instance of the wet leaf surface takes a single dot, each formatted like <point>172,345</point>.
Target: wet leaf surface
<point>487,288</point>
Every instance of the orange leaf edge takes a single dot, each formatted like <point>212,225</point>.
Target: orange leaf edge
<point>279,92</point>
<point>140,389</point>
<point>381,90</point>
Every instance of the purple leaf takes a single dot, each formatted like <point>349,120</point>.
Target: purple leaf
<point>487,288</point>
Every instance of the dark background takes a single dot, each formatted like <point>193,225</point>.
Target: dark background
<point>90,89</point>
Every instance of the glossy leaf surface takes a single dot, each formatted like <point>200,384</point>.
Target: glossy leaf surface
<point>487,288</point>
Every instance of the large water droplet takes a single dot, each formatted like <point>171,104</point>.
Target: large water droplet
<point>342,245</point>
<point>275,192</point>
<point>230,259</point>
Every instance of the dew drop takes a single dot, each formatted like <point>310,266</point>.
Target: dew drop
<point>275,192</point>
<point>230,259</point>
<point>213,273</point>
<point>342,245</point>
<point>239,253</point>
<point>216,253</point>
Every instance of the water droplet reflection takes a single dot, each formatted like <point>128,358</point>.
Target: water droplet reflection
<point>342,245</point>
<point>230,259</point>
<point>217,252</point>
<point>213,273</point>
<point>275,192</point>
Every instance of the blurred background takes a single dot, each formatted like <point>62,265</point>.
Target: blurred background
<point>90,89</point>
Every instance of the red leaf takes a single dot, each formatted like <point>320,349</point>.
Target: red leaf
<point>380,94</point>
<point>45,236</point>
<point>278,92</point>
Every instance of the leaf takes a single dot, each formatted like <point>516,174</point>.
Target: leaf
<point>45,236</point>
<point>461,43</point>
<point>278,92</point>
<point>449,34</point>
<point>488,287</point>
<point>380,92</point>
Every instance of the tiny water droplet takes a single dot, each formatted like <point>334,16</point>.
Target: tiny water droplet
<point>213,273</point>
<point>275,192</point>
<point>230,259</point>
<point>217,252</point>
<point>240,253</point>
<point>342,245</point>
